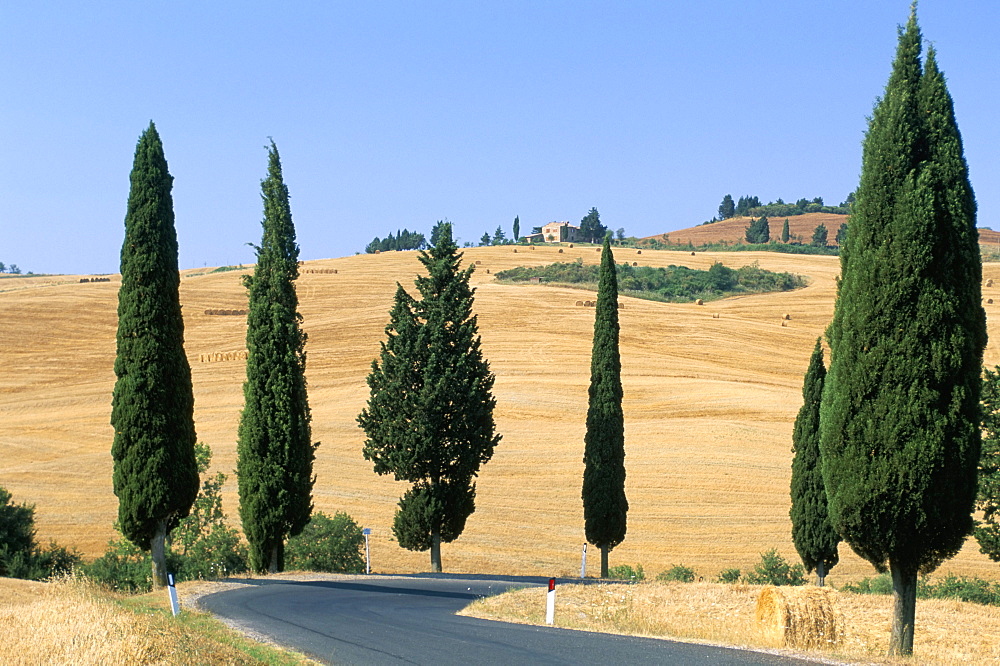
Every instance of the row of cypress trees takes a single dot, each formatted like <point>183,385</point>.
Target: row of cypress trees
<point>888,442</point>
<point>155,471</point>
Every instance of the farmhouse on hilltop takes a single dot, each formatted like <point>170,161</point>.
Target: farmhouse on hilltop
<point>555,232</point>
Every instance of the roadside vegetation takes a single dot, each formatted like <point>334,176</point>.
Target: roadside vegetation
<point>673,284</point>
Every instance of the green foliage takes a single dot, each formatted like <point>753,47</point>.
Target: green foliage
<point>226,269</point>
<point>123,567</point>
<point>679,573</point>
<point>275,448</point>
<point>961,588</point>
<point>841,236</point>
<point>758,231</point>
<point>745,204</point>
<point>517,229</point>
<point>499,238</point>
<point>327,544</point>
<point>206,547</point>
<point>20,557</point>
<point>729,575</point>
<point>591,229</point>
<point>671,284</point>
<point>402,240</point>
<point>814,537</point>
<point>605,506</point>
<point>155,474</point>
<point>784,232</point>
<point>773,569</point>
<point>900,414</point>
<point>626,572</point>
<point>727,208</point>
<point>987,531</point>
<point>820,235</point>
<point>429,417</point>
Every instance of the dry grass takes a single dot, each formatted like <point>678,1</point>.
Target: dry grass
<point>800,617</point>
<point>948,632</point>
<point>709,406</point>
<point>75,622</point>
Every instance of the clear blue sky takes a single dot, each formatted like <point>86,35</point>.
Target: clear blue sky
<point>397,114</point>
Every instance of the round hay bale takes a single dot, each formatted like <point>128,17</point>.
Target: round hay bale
<point>479,263</point>
<point>571,245</point>
<point>989,301</point>
<point>560,250</point>
<point>989,283</point>
<point>784,323</point>
<point>635,263</point>
<point>579,302</point>
<point>487,271</point>
<point>786,317</point>
<point>802,617</point>
<point>532,247</point>
<point>692,254</point>
<point>598,249</point>
<point>515,250</point>
<point>699,302</point>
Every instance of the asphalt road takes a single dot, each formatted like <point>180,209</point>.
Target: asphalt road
<point>381,620</point>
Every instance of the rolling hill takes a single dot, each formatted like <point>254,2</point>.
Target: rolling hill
<point>709,407</point>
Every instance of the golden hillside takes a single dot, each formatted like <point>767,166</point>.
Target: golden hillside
<point>709,407</point>
<point>733,230</point>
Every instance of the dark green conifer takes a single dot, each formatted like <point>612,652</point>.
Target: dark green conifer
<point>814,537</point>
<point>275,449</point>
<point>152,412</point>
<point>605,507</point>
<point>900,416</point>
<point>517,229</point>
<point>429,418</point>
<point>784,232</point>
<point>987,531</point>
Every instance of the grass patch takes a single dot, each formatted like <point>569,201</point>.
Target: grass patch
<point>76,621</point>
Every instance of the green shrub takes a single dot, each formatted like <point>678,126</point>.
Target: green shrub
<point>773,569</point>
<point>881,584</point>
<point>729,576</point>
<point>626,572</point>
<point>678,572</point>
<point>327,544</point>
<point>123,567</point>
<point>973,590</point>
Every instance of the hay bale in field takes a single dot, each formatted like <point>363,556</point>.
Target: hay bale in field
<point>479,263</point>
<point>621,306</point>
<point>635,263</point>
<point>487,271</point>
<point>579,303</point>
<point>571,245</point>
<point>560,250</point>
<point>515,250</point>
<point>699,302</point>
<point>598,249</point>
<point>989,283</point>
<point>802,617</point>
<point>692,254</point>
<point>786,317</point>
<point>784,323</point>
<point>715,315</point>
<point>638,251</point>
<point>989,301</point>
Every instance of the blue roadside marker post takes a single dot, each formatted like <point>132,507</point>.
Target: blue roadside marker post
<point>368,558</point>
<point>172,590</point>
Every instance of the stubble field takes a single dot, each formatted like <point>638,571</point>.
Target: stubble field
<point>709,407</point>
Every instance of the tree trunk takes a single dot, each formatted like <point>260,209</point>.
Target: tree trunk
<point>435,552</point>
<point>159,555</point>
<point>821,574</point>
<point>604,561</point>
<point>272,566</point>
<point>904,592</point>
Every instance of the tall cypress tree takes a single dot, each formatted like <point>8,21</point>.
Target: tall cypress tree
<point>605,507</point>
<point>517,228</point>
<point>275,450</point>
<point>155,472</point>
<point>900,415</point>
<point>987,531</point>
<point>429,418</point>
<point>814,537</point>
<point>784,232</point>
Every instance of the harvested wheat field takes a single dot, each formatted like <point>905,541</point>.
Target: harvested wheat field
<point>711,392</point>
<point>947,632</point>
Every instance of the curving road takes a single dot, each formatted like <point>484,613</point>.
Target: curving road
<point>393,620</point>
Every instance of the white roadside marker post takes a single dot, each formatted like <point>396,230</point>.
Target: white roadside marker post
<point>583,562</point>
<point>550,603</point>
<point>368,558</point>
<point>172,590</point>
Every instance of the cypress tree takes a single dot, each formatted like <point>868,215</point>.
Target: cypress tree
<point>429,418</point>
<point>987,531</point>
<point>517,228</point>
<point>900,415</point>
<point>814,537</point>
<point>152,412</point>
<point>605,507</point>
<point>275,451</point>
<point>784,232</point>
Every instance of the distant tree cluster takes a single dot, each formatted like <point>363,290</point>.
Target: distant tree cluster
<point>758,231</point>
<point>591,229</point>
<point>12,269</point>
<point>402,240</point>
<point>750,206</point>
